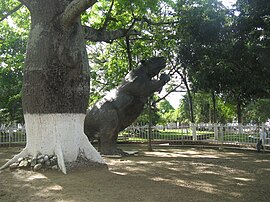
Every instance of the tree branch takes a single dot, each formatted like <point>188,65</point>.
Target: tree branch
<point>74,10</point>
<point>108,16</point>
<point>168,93</point>
<point>129,53</point>
<point>10,12</point>
<point>149,22</point>
<point>95,35</point>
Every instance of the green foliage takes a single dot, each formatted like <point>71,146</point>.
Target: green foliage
<point>110,62</point>
<point>257,111</point>
<point>6,6</point>
<point>108,68</point>
<point>200,50</point>
<point>165,106</point>
<point>222,52</point>
<point>152,111</point>
<point>203,109</point>
<point>13,39</point>
<point>252,28</point>
<point>143,119</point>
<point>166,112</point>
<point>207,46</point>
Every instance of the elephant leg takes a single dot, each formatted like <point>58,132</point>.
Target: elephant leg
<point>109,147</point>
<point>108,133</point>
<point>118,150</point>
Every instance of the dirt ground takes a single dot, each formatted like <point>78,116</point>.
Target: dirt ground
<point>166,174</point>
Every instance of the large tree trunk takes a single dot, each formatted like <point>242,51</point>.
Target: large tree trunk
<point>56,86</point>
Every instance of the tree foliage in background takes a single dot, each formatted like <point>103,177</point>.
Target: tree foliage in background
<point>224,51</point>
<point>247,39</point>
<point>204,110</point>
<point>113,60</point>
<point>257,112</point>
<point>166,112</point>
<point>210,49</point>
<point>13,39</point>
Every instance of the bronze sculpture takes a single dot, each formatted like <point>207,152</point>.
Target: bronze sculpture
<point>121,106</point>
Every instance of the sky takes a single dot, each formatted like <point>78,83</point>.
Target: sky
<point>174,98</point>
<point>228,3</point>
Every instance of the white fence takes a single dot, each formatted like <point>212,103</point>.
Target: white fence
<point>12,135</point>
<point>229,134</point>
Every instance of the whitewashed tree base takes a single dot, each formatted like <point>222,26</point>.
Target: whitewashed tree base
<point>57,134</point>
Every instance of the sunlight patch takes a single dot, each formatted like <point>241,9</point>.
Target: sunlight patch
<point>28,175</point>
<point>186,154</point>
<point>262,160</point>
<point>36,176</point>
<point>243,179</point>
<point>55,188</point>
<point>199,185</point>
<point>144,162</point>
<point>113,162</point>
<point>119,173</point>
<point>134,169</point>
<point>158,179</point>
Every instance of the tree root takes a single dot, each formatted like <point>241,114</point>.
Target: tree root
<point>85,151</point>
<point>23,153</point>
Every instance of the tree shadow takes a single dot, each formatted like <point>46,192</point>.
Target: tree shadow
<point>166,174</point>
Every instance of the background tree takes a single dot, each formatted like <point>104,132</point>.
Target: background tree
<point>248,35</point>
<point>13,38</point>
<point>165,111</point>
<point>221,53</point>
<point>204,109</point>
<point>199,50</point>
<point>257,112</point>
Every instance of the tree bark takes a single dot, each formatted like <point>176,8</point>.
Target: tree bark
<point>239,109</point>
<point>56,76</point>
<point>95,35</point>
<point>214,107</point>
<point>129,53</point>
<point>74,10</point>
<point>190,99</point>
<point>10,12</point>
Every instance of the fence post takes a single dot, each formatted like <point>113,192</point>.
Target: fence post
<point>1,129</point>
<point>240,128</point>
<point>149,125</point>
<point>263,136</point>
<point>221,133</point>
<point>215,131</point>
<point>10,131</point>
<point>193,128</point>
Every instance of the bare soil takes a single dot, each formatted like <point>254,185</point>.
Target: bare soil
<point>165,174</point>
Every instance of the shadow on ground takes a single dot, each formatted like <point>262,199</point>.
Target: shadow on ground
<point>166,174</point>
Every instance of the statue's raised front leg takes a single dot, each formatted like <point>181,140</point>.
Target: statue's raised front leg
<point>156,85</point>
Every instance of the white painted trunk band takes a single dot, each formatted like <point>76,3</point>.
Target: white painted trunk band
<point>58,134</point>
